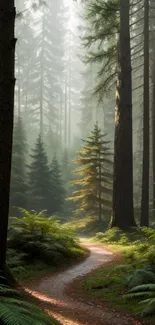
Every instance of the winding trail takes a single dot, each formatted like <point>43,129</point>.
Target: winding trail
<point>53,297</point>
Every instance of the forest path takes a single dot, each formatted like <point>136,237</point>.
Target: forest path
<point>53,297</point>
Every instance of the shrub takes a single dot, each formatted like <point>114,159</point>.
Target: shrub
<point>35,237</point>
<point>15,310</point>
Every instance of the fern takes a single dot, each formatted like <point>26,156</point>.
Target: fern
<point>145,290</point>
<point>14,310</point>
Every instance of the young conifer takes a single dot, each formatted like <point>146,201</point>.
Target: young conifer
<point>94,193</point>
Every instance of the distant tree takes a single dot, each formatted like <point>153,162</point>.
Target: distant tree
<point>40,189</point>
<point>57,185</point>
<point>18,171</point>
<point>46,77</point>
<point>7,82</point>
<point>95,185</point>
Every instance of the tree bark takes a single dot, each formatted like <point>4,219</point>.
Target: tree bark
<point>65,111</point>
<point>7,83</point>
<point>123,213</point>
<point>19,86</point>
<point>100,189</point>
<point>42,84</point>
<point>153,134</point>
<point>146,135</point>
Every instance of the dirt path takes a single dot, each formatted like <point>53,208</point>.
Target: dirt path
<point>51,293</point>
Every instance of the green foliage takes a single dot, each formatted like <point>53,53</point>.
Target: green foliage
<point>18,174</point>
<point>147,293</point>
<point>40,188</point>
<point>140,277</point>
<point>102,26</point>
<point>15,310</point>
<point>34,239</point>
<point>94,188</point>
<point>57,185</point>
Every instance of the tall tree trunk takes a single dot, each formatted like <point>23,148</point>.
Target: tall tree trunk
<point>146,136</point>
<point>100,189</point>
<point>69,95</point>
<point>42,83</point>
<point>18,82</point>
<point>7,82</point>
<point>65,112</point>
<point>153,134</point>
<point>123,213</point>
<point>60,115</point>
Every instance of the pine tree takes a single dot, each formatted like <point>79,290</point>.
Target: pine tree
<point>47,73</point>
<point>18,172</point>
<point>40,187</point>
<point>95,185</point>
<point>57,185</point>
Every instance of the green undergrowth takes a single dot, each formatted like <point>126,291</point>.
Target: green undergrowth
<point>111,283</point>
<point>18,308</point>
<point>137,245</point>
<point>86,226</point>
<point>38,245</point>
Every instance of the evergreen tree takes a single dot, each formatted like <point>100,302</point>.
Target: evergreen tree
<point>40,187</point>
<point>18,172</point>
<point>95,185</point>
<point>57,185</point>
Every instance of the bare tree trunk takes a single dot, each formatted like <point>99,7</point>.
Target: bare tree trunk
<point>123,213</point>
<point>18,83</point>
<point>100,190</point>
<point>65,113</point>
<point>42,83</point>
<point>153,133</point>
<point>7,83</point>
<point>60,115</point>
<point>146,134</point>
<point>69,95</point>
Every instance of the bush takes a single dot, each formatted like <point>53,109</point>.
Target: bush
<point>36,238</point>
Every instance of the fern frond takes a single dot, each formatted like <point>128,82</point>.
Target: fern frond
<point>143,287</point>
<point>139,294</point>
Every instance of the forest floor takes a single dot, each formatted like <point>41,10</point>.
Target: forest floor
<point>55,298</point>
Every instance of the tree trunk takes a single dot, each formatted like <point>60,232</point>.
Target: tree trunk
<point>146,136</point>
<point>69,94</point>
<point>42,84</point>
<point>123,213</point>
<point>18,84</point>
<point>100,190</point>
<point>7,83</point>
<point>65,112</point>
<point>153,134</point>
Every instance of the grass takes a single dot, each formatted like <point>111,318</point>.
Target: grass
<point>106,287</point>
<point>108,284</point>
